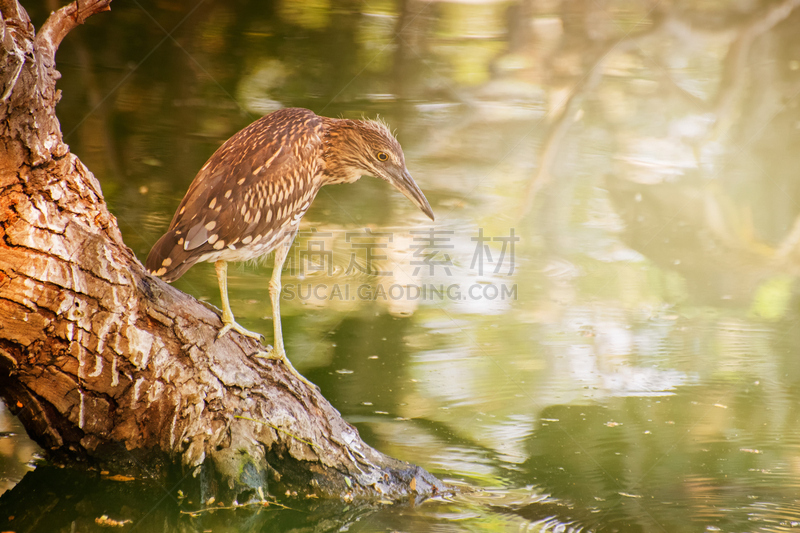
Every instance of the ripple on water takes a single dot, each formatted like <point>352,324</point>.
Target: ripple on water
<point>481,510</point>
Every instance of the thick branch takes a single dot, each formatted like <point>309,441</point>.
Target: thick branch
<point>14,13</point>
<point>61,22</point>
<point>13,20</point>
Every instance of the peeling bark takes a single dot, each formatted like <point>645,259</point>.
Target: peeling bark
<point>109,367</point>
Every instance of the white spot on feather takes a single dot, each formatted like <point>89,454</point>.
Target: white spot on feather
<point>271,159</point>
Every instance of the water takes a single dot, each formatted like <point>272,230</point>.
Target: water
<point>631,366</point>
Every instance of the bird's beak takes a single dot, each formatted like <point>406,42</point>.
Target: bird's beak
<point>406,185</point>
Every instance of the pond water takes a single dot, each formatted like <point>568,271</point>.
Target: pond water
<point>599,331</point>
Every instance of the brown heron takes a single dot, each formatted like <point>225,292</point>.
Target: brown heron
<point>249,197</point>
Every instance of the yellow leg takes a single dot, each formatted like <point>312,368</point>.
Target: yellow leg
<point>228,323</point>
<point>275,300</point>
<point>278,352</point>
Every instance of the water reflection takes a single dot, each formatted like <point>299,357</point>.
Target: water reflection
<point>643,374</point>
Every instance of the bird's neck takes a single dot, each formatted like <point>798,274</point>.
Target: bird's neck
<point>341,159</point>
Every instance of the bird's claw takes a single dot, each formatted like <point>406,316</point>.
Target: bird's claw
<point>269,353</point>
<point>228,326</point>
<point>276,355</point>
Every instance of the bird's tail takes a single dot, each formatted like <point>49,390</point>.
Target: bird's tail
<point>167,259</point>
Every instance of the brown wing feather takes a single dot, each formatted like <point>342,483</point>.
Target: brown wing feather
<point>253,189</point>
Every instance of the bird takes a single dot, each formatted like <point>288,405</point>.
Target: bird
<point>248,199</point>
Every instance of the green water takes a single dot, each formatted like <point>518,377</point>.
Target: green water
<point>631,365</point>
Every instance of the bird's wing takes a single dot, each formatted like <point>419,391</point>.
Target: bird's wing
<point>252,191</point>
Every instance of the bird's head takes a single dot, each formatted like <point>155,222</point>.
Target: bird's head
<point>360,147</point>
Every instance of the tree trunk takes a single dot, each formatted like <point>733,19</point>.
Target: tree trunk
<point>111,367</point>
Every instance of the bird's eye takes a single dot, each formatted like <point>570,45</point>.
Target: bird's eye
<point>382,156</point>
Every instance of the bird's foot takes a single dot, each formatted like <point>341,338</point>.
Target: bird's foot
<point>228,326</point>
<point>280,355</point>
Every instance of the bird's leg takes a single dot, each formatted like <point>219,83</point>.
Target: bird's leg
<point>228,323</point>
<point>278,352</point>
<point>275,299</point>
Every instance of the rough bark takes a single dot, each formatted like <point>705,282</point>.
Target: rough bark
<point>109,366</point>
